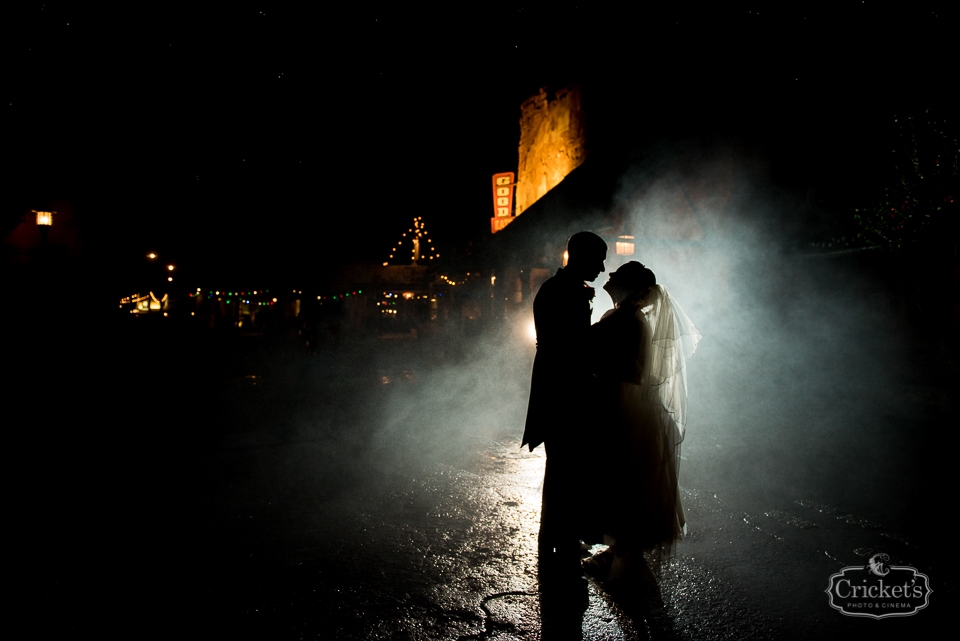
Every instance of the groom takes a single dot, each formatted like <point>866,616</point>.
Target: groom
<point>560,397</point>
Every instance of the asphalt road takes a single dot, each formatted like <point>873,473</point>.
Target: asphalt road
<point>366,494</point>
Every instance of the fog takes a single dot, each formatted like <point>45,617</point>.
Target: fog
<point>819,378</point>
<point>804,386</point>
<point>803,369</point>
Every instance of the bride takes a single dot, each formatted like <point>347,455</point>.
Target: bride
<point>640,347</point>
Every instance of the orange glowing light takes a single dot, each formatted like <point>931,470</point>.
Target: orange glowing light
<point>44,217</point>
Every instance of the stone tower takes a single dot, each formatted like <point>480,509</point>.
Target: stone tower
<point>552,143</point>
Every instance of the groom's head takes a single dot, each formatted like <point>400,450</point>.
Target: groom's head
<point>585,255</point>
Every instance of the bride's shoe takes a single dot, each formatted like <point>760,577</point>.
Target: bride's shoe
<point>598,566</point>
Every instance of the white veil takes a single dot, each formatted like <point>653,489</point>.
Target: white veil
<point>674,339</point>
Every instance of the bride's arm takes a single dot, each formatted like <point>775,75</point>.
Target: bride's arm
<point>599,340</point>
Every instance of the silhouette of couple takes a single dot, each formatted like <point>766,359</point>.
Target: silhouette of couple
<point>608,401</point>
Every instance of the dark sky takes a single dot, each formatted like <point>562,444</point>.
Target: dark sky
<point>261,139</point>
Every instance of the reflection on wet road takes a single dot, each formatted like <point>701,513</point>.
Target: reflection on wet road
<point>451,554</point>
<point>305,516</point>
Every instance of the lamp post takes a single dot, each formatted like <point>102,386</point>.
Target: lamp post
<point>44,222</point>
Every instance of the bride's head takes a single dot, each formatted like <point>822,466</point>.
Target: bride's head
<point>631,278</point>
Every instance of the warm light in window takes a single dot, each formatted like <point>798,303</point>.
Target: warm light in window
<point>44,218</point>
<point>624,249</point>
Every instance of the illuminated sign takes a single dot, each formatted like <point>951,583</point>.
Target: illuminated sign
<point>503,186</point>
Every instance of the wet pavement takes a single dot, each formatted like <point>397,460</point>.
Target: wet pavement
<point>451,554</point>
<point>311,517</point>
<point>285,496</point>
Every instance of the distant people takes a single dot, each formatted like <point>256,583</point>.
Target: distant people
<point>560,399</point>
<point>308,325</point>
<point>639,349</point>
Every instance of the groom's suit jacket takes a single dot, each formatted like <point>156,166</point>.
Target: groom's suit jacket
<point>560,385</point>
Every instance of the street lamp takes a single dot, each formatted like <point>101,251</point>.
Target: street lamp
<point>44,222</point>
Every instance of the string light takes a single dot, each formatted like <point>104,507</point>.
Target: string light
<point>355,292</point>
<point>452,282</point>
<point>134,299</point>
<point>422,246</point>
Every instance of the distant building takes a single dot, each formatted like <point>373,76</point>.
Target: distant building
<point>667,209</point>
<point>553,142</point>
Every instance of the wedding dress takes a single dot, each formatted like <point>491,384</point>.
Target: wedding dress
<point>642,346</point>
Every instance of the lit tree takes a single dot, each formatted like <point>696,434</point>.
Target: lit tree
<point>920,193</point>
<point>415,245</point>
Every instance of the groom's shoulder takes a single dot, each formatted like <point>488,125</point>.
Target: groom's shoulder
<point>556,284</point>
<point>557,287</point>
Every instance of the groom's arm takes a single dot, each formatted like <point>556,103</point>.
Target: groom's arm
<point>562,316</point>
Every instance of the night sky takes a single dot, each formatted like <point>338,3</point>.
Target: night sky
<point>270,143</point>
